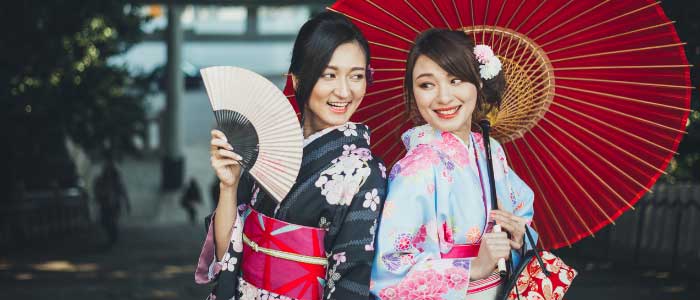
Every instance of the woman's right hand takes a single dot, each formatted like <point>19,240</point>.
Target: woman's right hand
<point>224,161</point>
<point>494,246</point>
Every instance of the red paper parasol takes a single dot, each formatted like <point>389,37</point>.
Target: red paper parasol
<point>597,101</point>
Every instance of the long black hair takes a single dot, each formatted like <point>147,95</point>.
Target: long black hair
<point>314,46</point>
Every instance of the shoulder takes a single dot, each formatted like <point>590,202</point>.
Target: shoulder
<point>375,164</point>
<point>417,161</point>
<point>355,161</point>
<point>418,135</point>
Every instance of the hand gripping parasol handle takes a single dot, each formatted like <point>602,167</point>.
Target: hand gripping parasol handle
<point>485,129</point>
<point>502,270</point>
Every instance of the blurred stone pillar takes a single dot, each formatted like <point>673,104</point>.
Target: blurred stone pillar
<point>173,164</point>
<point>252,21</point>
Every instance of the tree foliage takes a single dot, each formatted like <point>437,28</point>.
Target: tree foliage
<point>54,57</point>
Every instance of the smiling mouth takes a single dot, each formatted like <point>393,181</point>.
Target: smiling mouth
<point>447,113</point>
<point>338,107</point>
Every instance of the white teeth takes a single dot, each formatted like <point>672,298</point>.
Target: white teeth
<point>338,104</point>
<point>447,112</point>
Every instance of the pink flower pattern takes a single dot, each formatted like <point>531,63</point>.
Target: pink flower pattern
<point>457,278</point>
<point>403,242</point>
<point>419,238</point>
<point>421,158</point>
<point>423,285</point>
<point>450,152</point>
<point>447,229</point>
<point>389,293</point>
<point>427,285</point>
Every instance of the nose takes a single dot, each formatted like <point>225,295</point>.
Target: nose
<point>445,94</point>
<point>343,88</point>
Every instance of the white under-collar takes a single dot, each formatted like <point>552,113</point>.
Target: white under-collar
<point>319,134</point>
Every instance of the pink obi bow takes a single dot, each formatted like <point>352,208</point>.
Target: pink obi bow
<point>284,258</point>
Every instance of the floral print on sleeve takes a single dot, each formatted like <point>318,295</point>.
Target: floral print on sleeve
<point>351,237</point>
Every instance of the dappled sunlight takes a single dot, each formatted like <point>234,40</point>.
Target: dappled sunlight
<point>171,271</point>
<point>163,294</point>
<point>24,276</point>
<point>65,266</point>
<point>118,274</point>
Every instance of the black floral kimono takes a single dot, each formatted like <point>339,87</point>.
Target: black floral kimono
<point>340,188</point>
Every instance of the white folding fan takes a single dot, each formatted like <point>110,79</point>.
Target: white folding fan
<point>259,123</point>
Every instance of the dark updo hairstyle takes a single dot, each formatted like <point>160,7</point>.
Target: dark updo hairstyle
<point>453,51</point>
<point>317,40</point>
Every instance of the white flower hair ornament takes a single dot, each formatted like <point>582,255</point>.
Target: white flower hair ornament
<point>489,64</point>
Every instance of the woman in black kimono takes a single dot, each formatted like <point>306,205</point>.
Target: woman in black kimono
<point>337,197</point>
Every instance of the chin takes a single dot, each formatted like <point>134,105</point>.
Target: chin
<point>447,125</point>
<point>335,119</point>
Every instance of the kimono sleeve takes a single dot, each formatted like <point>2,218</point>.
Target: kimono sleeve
<point>521,197</point>
<point>224,272</point>
<point>408,255</point>
<point>352,239</point>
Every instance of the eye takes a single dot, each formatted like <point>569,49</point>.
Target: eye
<point>456,81</point>
<point>426,85</point>
<point>328,76</point>
<point>357,77</point>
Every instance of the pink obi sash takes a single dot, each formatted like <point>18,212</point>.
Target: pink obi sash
<point>486,288</point>
<point>283,258</point>
<point>462,251</point>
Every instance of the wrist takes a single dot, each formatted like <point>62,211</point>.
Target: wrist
<point>223,187</point>
<point>479,269</point>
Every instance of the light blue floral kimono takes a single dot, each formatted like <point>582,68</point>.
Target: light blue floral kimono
<point>434,203</point>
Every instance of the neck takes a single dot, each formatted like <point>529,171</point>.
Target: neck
<point>464,133</point>
<point>308,129</point>
<point>310,125</point>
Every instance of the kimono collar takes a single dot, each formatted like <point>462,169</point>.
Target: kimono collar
<point>348,129</point>
<point>426,135</point>
<point>437,139</point>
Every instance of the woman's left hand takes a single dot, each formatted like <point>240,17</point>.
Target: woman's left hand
<point>512,224</point>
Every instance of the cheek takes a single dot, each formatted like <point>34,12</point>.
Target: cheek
<point>358,90</point>
<point>320,94</point>
<point>470,103</point>
<point>423,99</point>
<point>468,97</point>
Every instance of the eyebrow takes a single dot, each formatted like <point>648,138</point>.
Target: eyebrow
<point>424,75</point>
<point>352,69</point>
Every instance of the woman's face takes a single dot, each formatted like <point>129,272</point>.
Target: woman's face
<point>444,101</point>
<point>339,90</point>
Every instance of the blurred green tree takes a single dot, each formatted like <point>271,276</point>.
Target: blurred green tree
<point>57,83</point>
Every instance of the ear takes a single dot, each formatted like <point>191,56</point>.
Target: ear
<point>295,81</point>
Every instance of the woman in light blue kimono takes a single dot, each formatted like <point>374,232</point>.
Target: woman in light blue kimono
<point>434,239</point>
